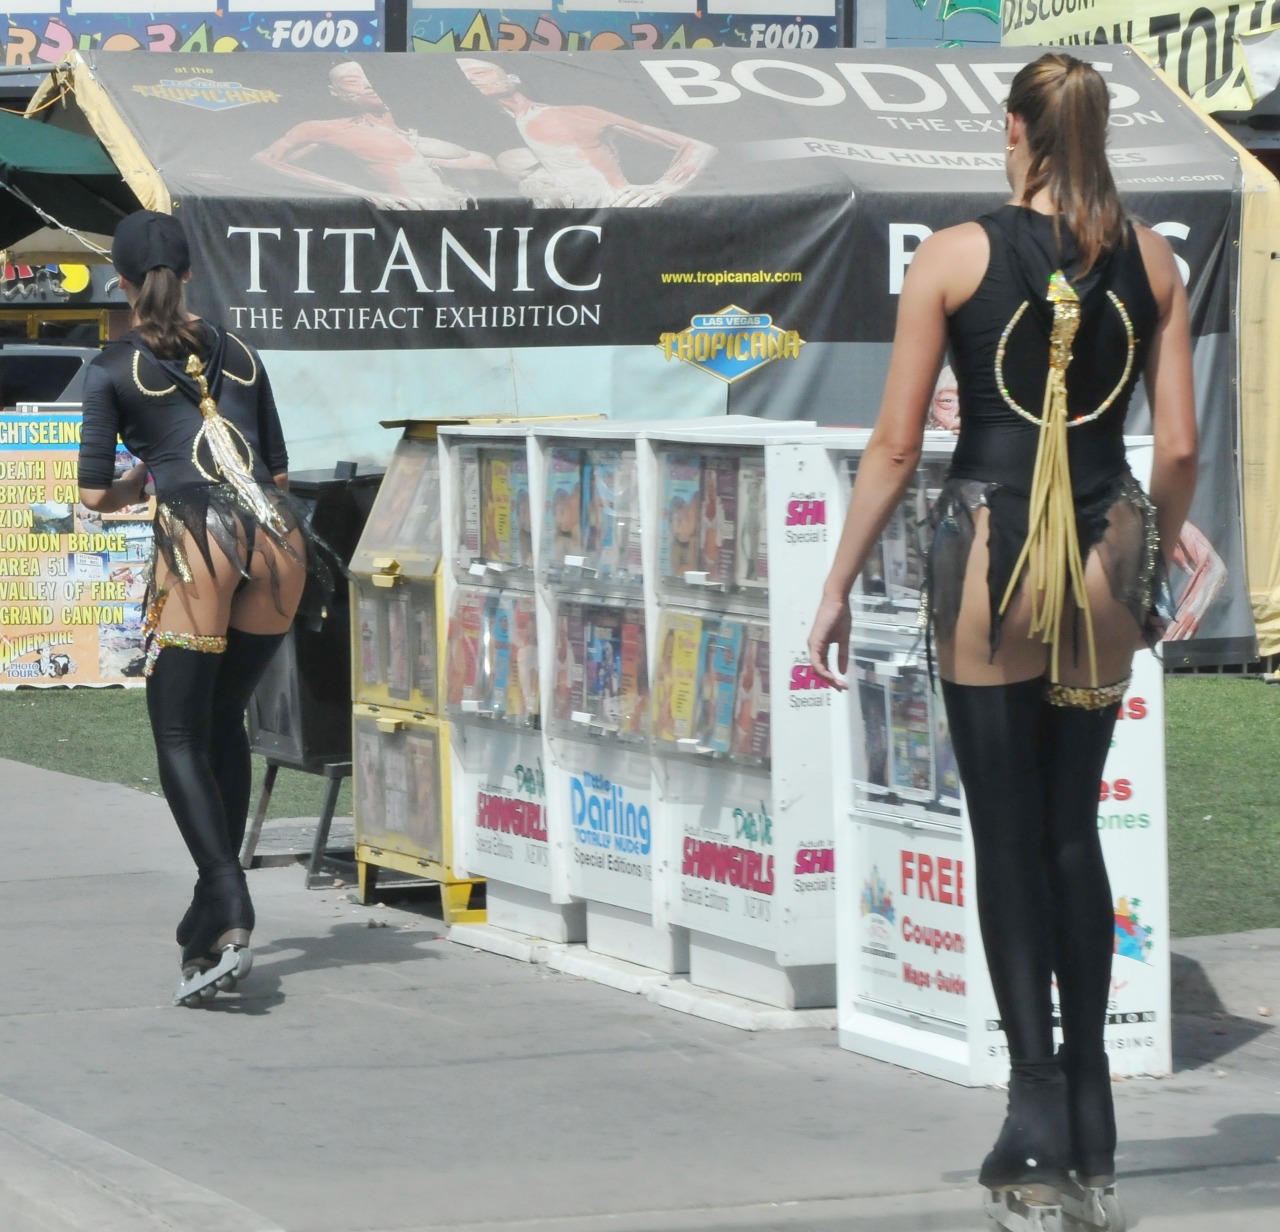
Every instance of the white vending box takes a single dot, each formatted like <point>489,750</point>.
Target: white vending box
<point>740,726</point>
<point>913,982</point>
<point>490,524</point>
<point>592,622</point>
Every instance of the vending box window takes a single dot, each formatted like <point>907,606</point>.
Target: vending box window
<point>401,735</point>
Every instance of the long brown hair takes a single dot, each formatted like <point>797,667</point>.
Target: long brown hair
<point>159,315</point>
<point>1063,103</point>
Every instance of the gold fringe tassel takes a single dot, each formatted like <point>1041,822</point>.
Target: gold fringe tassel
<point>1051,554</point>
<point>232,464</point>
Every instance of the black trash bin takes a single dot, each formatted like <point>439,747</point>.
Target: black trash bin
<point>300,715</point>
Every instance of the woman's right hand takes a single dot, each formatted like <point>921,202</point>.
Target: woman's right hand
<point>831,627</point>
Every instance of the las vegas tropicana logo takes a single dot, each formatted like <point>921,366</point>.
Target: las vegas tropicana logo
<point>207,95</point>
<point>731,343</point>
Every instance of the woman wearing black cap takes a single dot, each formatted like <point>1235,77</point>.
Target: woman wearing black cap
<point>231,556</point>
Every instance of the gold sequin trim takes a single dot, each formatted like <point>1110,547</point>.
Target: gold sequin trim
<point>253,365</point>
<point>1079,698</point>
<point>1013,404</point>
<point>142,389</point>
<point>205,643</point>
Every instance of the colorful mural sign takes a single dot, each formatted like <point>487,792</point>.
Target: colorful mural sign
<point>43,31</point>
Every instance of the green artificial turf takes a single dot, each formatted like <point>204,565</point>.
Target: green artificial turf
<point>103,734</point>
<point>1223,737</point>
<point>1223,772</point>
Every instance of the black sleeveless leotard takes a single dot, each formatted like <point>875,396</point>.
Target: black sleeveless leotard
<point>999,344</point>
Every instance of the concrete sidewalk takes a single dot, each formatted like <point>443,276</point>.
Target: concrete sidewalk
<point>374,1077</point>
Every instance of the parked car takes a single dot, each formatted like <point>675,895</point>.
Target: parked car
<point>42,372</point>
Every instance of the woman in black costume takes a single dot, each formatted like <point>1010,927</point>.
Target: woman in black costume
<point>231,557</point>
<point>1046,555</point>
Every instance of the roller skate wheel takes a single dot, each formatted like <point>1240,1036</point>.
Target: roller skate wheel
<point>227,983</point>
<point>208,992</point>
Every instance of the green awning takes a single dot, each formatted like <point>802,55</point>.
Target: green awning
<point>29,145</point>
<point>68,176</point>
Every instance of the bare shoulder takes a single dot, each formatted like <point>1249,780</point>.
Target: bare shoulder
<point>967,240</point>
<point>1157,259</point>
<point>953,261</point>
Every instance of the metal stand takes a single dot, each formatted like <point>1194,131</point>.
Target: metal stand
<point>334,772</point>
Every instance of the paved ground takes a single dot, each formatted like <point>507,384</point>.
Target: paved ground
<point>374,1077</point>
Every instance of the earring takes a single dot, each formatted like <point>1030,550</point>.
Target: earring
<point>1009,149</point>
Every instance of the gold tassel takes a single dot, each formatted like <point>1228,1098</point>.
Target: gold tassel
<point>231,462</point>
<point>1051,554</point>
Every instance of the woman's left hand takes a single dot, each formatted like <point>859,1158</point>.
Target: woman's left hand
<point>831,627</point>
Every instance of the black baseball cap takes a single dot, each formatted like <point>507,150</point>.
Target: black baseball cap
<point>146,240</point>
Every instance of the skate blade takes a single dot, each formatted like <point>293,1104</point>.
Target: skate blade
<point>1025,1208</point>
<point>201,981</point>
<point>1092,1208</point>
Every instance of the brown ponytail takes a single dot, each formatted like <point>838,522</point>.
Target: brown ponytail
<point>160,318</point>
<point>1063,103</point>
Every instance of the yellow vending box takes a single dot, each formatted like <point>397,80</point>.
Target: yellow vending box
<point>400,734</point>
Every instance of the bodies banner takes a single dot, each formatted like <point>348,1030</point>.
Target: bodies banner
<point>71,583</point>
<point>652,234</point>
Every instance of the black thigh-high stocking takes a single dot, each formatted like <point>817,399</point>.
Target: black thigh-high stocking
<point>242,666</point>
<point>1077,742</point>
<point>995,730</point>
<point>180,705</point>
<point>996,733</point>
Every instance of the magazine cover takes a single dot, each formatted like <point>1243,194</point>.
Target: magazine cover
<point>523,702</point>
<point>521,514</point>
<point>912,732</point>
<point>751,712</point>
<point>424,775</point>
<point>681,485</point>
<point>399,679</point>
<point>871,581</point>
<point>496,640</point>
<point>873,702</point>
<point>368,616</point>
<point>562,515</point>
<point>468,502</point>
<point>893,546</point>
<point>370,813</point>
<point>601,544</point>
<point>422,626</point>
<point>603,659</point>
<point>495,504</point>
<point>705,694</point>
<point>719,518</point>
<point>394,502</point>
<point>395,777</point>
<point>464,674</point>
<point>752,561</point>
<point>676,699</point>
<point>633,704</point>
<point>726,662</point>
<point>627,507</point>
<point>421,528</point>
<point>946,772</point>
<point>567,696</point>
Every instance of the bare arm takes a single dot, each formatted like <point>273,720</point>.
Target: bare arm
<point>123,492</point>
<point>935,284</point>
<point>1170,393</point>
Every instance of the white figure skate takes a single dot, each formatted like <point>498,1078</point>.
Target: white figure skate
<point>204,979</point>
